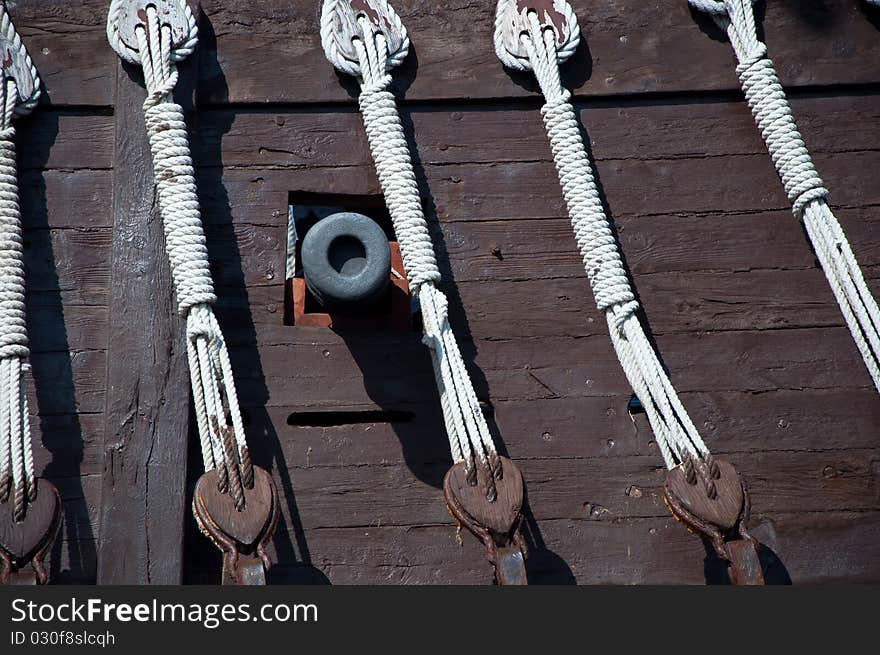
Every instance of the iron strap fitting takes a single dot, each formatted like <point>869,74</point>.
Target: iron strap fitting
<point>494,517</point>
<point>241,534</point>
<point>26,542</point>
<point>710,498</point>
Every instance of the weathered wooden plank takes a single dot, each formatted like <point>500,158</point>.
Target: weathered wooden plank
<point>72,328</point>
<point>462,192</point>
<point>621,487</point>
<point>67,383</point>
<point>532,249</point>
<point>72,140</point>
<point>753,362</point>
<point>808,549</point>
<point>699,301</point>
<point>667,128</point>
<point>631,47</point>
<point>739,183</point>
<point>69,445</point>
<point>146,428</point>
<point>73,559</point>
<point>675,302</point>
<point>65,198</point>
<point>566,428</point>
<point>68,43</point>
<point>315,369</point>
<point>69,260</point>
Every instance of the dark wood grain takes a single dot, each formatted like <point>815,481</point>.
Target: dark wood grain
<point>631,47</point>
<point>147,411</point>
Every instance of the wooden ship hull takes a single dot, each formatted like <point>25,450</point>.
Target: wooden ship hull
<point>348,421</point>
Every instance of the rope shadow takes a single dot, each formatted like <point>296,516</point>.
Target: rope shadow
<point>542,565</point>
<point>818,14</point>
<point>202,559</point>
<point>711,567</point>
<point>60,431</point>
<point>716,570</point>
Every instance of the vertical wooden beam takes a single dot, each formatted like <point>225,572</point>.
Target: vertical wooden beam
<point>147,408</point>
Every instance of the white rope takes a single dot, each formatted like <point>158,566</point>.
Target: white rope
<point>676,434</point>
<point>469,438</point>
<point>804,187</point>
<point>17,475</point>
<point>115,16</point>
<point>218,416</point>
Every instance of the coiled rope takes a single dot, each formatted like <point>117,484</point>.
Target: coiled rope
<point>804,187</point>
<point>469,438</point>
<point>677,436</point>
<point>218,416</point>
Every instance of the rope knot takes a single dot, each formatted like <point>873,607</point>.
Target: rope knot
<point>620,313</point>
<point>162,93</point>
<point>377,85</point>
<point>14,350</point>
<point>774,118</point>
<point>557,105</point>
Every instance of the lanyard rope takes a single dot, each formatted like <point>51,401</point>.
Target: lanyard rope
<point>17,476</point>
<point>221,431</point>
<point>469,438</point>
<point>804,187</point>
<point>16,452</point>
<point>677,436</point>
